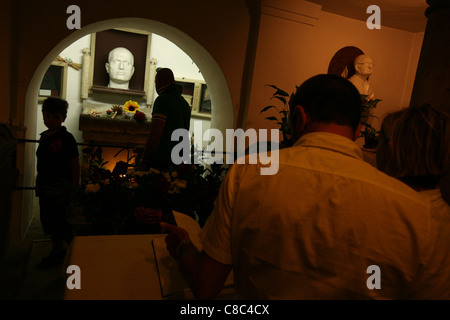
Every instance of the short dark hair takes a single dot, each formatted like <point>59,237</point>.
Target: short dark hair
<point>55,105</point>
<point>329,98</point>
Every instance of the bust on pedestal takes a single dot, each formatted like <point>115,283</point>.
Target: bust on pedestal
<point>120,67</point>
<point>364,69</point>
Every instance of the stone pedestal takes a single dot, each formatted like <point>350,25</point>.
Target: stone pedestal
<point>432,83</point>
<point>103,130</point>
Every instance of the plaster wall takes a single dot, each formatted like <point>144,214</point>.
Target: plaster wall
<point>215,34</point>
<point>40,33</point>
<point>290,52</point>
<point>166,53</point>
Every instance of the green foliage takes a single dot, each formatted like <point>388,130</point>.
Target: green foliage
<point>114,199</point>
<point>368,103</point>
<point>282,118</point>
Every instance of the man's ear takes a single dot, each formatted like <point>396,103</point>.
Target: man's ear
<point>357,132</point>
<point>301,119</point>
<point>107,67</point>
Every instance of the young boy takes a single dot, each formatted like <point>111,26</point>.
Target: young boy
<point>58,171</point>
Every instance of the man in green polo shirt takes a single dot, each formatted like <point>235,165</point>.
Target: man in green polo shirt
<point>170,112</point>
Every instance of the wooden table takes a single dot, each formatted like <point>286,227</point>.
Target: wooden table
<point>114,267</point>
<point>130,267</point>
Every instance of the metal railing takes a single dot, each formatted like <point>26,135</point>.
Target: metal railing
<point>84,144</point>
<point>122,147</point>
<point>128,147</point>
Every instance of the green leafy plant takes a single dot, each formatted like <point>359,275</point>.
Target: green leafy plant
<point>370,134</point>
<point>368,103</point>
<point>283,117</point>
<point>128,200</point>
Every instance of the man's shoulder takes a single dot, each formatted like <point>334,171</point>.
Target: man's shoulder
<point>165,100</point>
<point>394,187</point>
<point>170,101</point>
<point>349,170</point>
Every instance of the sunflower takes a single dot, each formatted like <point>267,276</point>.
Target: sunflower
<point>131,106</point>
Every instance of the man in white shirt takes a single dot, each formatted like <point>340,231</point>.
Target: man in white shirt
<point>328,225</point>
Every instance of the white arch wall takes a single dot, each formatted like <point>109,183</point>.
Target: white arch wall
<point>166,53</point>
<point>222,113</point>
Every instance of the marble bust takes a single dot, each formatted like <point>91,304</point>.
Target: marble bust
<point>120,67</point>
<point>364,69</point>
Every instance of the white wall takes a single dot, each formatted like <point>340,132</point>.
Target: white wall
<point>75,53</point>
<point>289,53</point>
<point>167,55</point>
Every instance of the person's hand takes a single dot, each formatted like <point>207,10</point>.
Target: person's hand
<point>176,238</point>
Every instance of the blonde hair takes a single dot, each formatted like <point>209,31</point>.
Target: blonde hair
<point>421,142</point>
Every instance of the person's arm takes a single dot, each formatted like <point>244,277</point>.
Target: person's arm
<point>156,131</point>
<point>204,275</point>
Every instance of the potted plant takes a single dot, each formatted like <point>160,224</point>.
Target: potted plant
<point>368,103</point>
<point>369,133</point>
<point>283,116</point>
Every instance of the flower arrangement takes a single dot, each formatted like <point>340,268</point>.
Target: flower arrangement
<point>94,113</point>
<point>127,200</point>
<point>131,109</point>
<point>131,106</point>
<point>139,116</point>
<point>117,109</point>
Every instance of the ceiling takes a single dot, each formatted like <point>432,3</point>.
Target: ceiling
<point>408,15</point>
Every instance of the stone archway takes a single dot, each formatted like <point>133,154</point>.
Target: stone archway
<point>222,113</point>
